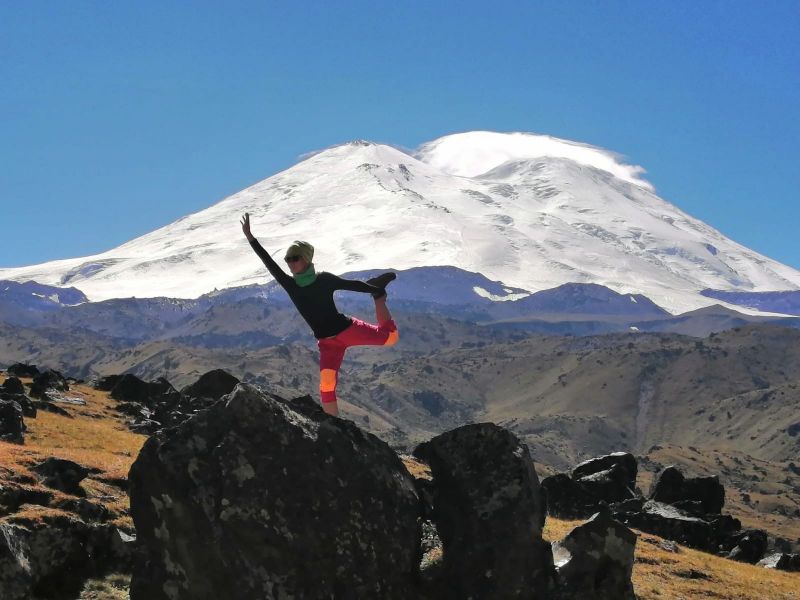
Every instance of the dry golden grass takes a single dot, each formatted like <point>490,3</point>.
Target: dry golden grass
<point>96,437</point>
<point>111,587</point>
<point>417,469</point>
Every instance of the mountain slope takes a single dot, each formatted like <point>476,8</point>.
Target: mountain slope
<point>549,212</point>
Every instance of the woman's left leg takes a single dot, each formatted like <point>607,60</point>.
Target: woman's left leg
<point>361,333</point>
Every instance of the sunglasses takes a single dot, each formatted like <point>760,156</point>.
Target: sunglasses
<point>293,258</point>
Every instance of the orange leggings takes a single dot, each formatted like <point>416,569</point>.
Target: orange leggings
<point>331,350</point>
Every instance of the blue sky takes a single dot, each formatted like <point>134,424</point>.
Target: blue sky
<point>118,118</point>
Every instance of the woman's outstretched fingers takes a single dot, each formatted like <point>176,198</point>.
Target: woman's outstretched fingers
<point>246,224</point>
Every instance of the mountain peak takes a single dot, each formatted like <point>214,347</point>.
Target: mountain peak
<point>362,151</point>
<point>360,143</point>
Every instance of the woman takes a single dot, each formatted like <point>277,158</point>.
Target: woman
<point>312,294</point>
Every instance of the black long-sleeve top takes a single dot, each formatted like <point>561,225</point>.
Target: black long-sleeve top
<point>315,301</point>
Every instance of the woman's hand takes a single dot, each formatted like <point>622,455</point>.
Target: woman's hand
<point>246,226</point>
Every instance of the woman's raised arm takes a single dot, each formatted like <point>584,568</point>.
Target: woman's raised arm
<point>279,274</point>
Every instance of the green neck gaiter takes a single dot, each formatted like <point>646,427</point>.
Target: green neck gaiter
<point>307,277</point>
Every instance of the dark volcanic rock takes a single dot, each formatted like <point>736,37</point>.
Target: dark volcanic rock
<point>593,483</point>
<point>782,562</point>
<point>595,560</point>
<point>611,485</point>
<point>48,380</point>
<point>708,532</point>
<point>145,426</point>
<point>13,385</point>
<point>28,406</point>
<point>622,460</point>
<point>631,505</point>
<point>15,580</point>
<point>62,474</point>
<point>107,383</point>
<point>122,550</point>
<point>52,559</point>
<point>258,497</point>
<point>673,524</point>
<point>85,509</point>
<point>22,370</point>
<point>134,409</point>
<point>214,384</point>
<point>12,496</point>
<point>670,486</point>
<point>751,545</point>
<point>156,404</point>
<point>489,512</point>
<point>12,425</point>
<point>130,388</point>
<point>566,498</point>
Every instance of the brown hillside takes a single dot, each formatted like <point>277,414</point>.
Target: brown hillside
<point>95,436</point>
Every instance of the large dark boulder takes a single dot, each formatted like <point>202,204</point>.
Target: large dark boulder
<point>52,558</point>
<point>106,383</point>
<point>22,370</point>
<point>62,474</point>
<point>750,546</point>
<point>48,380</point>
<point>595,560</point>
<point>565,498</point>
<point>15,580</point>
<point>671,487</point>
<point>12,424</point>
<point>673,524</point>
<point>13,389</point>
<point>26,404</point>
<point>592,484</point>
<point>155,405</point>
<point>489,512</point>
<point>213,384</point>
<point>130,388</point>
<point>259,497</point>
<point>13,385</point>
<point>134,409</point>
<point>710,532</point>
<point>169,410</point>
<point>624,461</point>
<point>610,485</point>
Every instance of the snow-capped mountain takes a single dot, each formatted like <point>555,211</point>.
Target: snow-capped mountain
<point>531,211</point>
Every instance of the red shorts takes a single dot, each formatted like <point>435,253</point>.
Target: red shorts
<point>331,350</point>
